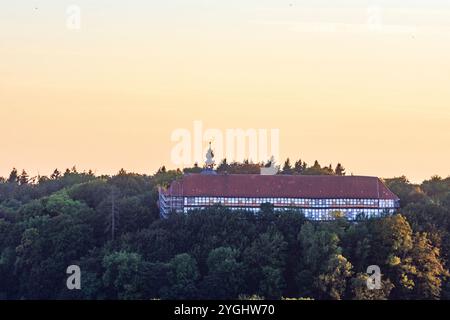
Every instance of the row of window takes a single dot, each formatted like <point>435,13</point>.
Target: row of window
<point>323,214</point>
<point>286,202</point>
<point>386,203</point>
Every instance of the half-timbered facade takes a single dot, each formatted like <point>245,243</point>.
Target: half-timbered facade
<point>318,197</point>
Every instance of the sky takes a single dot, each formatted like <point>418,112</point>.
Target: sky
<point>364,83</point>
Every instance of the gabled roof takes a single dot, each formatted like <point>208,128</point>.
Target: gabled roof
<point>280,186</point>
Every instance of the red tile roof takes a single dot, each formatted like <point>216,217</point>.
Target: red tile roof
<point>286,186</point>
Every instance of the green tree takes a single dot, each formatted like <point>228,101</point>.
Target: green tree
<point>121,275</point>
<point>407,192</point>
<point>182,277</point>
<point>429,269</point>
<point>339,170</point>
<point>13,176</point>
<point>390,249</point>
<point>287,168</point>
<point>298,167</point>
<point>333,282</point>
<point>322,259</point>
<point>55,175</point>
<point>360,291</point>
<point>318,245</point>
<point>267,250</point>
<point>272,283</point>
<point>225,274</point>
<point>23,179</point>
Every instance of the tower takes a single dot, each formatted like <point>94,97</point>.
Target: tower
<point>209,163</point>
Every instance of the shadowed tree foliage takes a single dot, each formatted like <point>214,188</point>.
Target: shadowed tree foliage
<point>182,277</point>
<point>47,224</point>
<point>225,276</point>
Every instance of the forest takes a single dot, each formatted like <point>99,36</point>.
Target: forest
<point>110,227</point>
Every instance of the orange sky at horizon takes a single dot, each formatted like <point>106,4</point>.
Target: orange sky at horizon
<point>109,96</point>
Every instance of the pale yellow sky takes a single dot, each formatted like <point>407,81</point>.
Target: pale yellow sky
<point>109,95</point>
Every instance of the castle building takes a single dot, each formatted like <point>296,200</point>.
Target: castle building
<point>317,197</point>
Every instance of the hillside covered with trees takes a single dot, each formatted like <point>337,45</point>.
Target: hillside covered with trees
<point>110,227</point>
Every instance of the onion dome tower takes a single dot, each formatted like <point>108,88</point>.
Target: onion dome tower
<point>209,163</point>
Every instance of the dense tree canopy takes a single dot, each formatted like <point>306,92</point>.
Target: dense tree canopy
<point>110,227</point>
